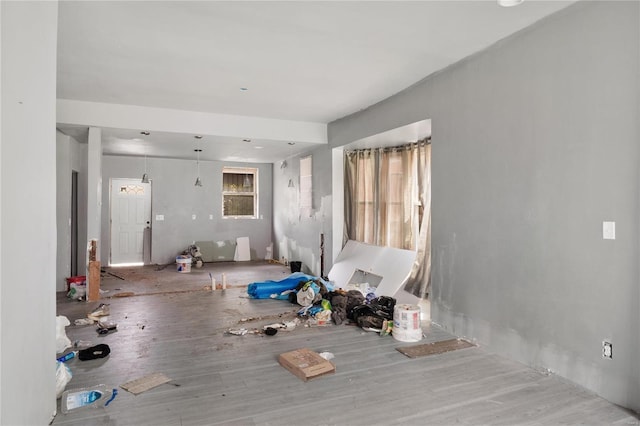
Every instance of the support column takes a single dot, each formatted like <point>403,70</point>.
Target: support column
<point>94,209</point>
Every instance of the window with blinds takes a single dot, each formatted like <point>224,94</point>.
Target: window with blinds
<point>239,192</point>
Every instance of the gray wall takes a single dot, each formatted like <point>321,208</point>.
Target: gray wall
<point>297,237</point>
<point>535,144</point>
<point>175,196</point>
<point>27,216</point>
<point>70,156</point>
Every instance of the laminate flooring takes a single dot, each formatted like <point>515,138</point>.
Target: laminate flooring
<point>223,379</point>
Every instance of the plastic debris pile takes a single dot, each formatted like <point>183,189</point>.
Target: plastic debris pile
<point>323,305</point>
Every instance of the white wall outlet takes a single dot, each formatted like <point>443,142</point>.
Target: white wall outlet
<point>607,349</point>
<point>608,230</point>
<point>193,216</point>
<point>210,217</point>
<point>159,217</point>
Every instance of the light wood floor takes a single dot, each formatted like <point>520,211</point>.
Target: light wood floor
<point>236,380</point>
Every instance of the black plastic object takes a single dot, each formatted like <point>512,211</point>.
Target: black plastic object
<point>296,266</point>
<point>94,352</point>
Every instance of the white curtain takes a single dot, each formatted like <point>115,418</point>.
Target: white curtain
<point>388,203</point>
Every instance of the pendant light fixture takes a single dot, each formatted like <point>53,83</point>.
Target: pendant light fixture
<point>145,176</point>
<point>291,144</point>
<point>198,181</point>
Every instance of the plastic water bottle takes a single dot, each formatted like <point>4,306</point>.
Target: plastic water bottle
<point>67,357</point>
<point>94,396</point>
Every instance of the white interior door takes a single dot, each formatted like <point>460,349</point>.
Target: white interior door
<point>130,215</point>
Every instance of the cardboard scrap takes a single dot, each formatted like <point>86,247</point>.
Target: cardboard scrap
<point>434,348</point>
<point>306,364</point>
<point>145,383</point>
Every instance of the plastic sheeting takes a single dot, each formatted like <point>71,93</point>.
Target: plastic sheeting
<point>264,289</point>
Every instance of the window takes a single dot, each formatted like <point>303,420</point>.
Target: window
<point>239,192</point>
<point>384,192</point>
<point>306,186</point>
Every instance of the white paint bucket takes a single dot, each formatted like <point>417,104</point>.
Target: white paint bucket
<point>406,323</point>
<point>183,264</point>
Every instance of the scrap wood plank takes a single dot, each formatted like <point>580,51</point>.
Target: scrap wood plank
<point>145,383</point>
<point>434,348</point>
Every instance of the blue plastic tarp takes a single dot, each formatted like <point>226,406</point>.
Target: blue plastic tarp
<point>265,289</point>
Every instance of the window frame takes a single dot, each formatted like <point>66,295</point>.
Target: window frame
<point>306,194</point>
<point>242,171</point>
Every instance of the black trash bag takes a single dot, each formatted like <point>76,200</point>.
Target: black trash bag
<point>354,299</point>
<point>94,352</point>
<point>371,322</point>
<point>383,306</point>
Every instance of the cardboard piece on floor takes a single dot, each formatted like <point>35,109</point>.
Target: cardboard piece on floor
<point>145,383</point>
<point>434,348</point>
<point>93,281</point>
<point>243,250</point>
<point>306,364</point>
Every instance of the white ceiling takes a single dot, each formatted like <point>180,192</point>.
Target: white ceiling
<point>298,60</point>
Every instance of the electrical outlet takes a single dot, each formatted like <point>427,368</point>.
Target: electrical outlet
<point>607,350</point>
<point>608,230</point>
<point>193,217</point>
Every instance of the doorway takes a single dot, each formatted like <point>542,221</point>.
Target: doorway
<point>130,218</point>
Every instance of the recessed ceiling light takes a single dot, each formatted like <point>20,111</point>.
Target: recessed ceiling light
<point>246,140</point>
<point>258,147</point>
<point>509,3</point>
<point>198,137</point>
<point>145,132</point>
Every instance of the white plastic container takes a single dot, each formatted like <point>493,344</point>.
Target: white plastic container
<point>183,264</point>
<point>406,323</point>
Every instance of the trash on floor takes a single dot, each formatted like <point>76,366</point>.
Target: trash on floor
<point>183,263</point>
<point>77,287</point>
<point>145,383</point>
<point>82,344</point>
<point>327,355</point>
<point>237,331</point>
<point>102,310</point>
<point>321,303</point>
<point>98,351</point>
<point>406,323</point>
<point>95,396</point>
<point>63,375</point>
<point>286,326</point>
<point>194,252</point>
<point>62,341</point>
<point>433,348</point>
<point>105,327</point>
<point>306,364</point>
<point>67,357</point>
<point>265,289</point>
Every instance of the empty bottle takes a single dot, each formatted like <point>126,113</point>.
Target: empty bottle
<point>67,357</point>
<point>95,396</point>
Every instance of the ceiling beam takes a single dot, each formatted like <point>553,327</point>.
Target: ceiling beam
<point>82,113</point>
